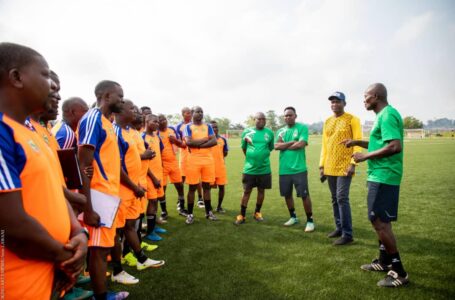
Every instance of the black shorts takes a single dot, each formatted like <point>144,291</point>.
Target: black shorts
<point>382,201</point>
<point>299,181</point>
<point>260,181</point>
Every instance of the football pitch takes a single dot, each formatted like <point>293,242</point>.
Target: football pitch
<point>218,260</point>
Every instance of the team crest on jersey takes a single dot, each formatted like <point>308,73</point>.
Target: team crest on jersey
<point>295,134</point>
<point>33,145</point>
<point>266,137</point>
<point>46,139</point>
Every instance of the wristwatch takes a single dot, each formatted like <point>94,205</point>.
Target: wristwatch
<point>85,231</point>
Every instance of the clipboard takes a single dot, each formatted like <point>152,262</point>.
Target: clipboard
<point>70,167</point>
<point>106,206</point>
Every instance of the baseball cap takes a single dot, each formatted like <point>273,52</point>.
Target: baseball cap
<point>338,95</point>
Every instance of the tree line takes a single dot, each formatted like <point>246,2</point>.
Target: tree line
<point>275,121</point>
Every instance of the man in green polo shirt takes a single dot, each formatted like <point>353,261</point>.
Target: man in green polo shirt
<point>385,169</point>
<point>257,143</point>
<point>291,141</point>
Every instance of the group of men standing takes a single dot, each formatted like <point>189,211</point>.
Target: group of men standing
<point>128,161</point>
<point>340,153</point>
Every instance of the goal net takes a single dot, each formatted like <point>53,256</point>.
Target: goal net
<point>233,133</point>
<point>414,133</point>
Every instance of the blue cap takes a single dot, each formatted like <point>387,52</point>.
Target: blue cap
<point>338,95</point>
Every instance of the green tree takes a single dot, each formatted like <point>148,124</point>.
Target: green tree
<point>223,124</point>
<point>271,120</point>
<point>249,122</point>
<point>412,123</point>
<point>173,119</point>
<point>281,122</point>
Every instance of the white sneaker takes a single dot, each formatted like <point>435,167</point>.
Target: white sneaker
<point>309,227</point>
<point>124,278</point>
<point>189,219</point>
<point>211,216</point>
<point>149,263</point>
<point>200,204</point>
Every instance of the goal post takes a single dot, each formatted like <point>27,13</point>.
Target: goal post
<point>233,133</point>
<point>414,133</point>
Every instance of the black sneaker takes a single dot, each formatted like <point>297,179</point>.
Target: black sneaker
<point>164,215</point>
<point>183,212</point>
<point>376,266</point>
<point>344,240</point>
<point>220,210</point>
<point>393,280</point>
<point>334,234</point>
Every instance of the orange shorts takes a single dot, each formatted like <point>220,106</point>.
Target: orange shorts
<point>171,169</point>
<point>182,162</point>
<point>200,171</point>
<point>220,174</point>
<point>102,236</point>
<point>152,192</point>
<point>144,204</point>
<point>129,209</point>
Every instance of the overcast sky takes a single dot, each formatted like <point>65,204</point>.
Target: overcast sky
<point>234,58</point>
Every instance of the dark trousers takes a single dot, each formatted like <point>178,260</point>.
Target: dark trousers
<point>339,188</point>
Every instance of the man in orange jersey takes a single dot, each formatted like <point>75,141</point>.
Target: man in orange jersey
<point>186,114</point>
<point>39,122</point>
<point>98,148</point>
<point>130,193</point>
<point>31,220</point>
<point>219,152</point>
<point>146,156</point>
<point>170,137</point>
<point>65,130</point>
<point>155,189</point>
<point>199,137</point>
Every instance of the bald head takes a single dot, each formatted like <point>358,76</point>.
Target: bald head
<point>103,87</point>
<point>259,120</point>
<point>379,90</point>
<point>72,102</point>
<point>259,115</point>
<point>73,109</point>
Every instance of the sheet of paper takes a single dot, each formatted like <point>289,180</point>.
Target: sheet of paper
<point>106,206</point>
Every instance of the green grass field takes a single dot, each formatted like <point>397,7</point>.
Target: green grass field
<point>218,260</point>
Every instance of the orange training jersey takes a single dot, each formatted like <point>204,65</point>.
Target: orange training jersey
<point>97,131</point>
<point>168,153</point>
<point>218,151</point>
<point>155,165</point>
<point>50,141</point>
<point>144,163</point>
<point>130,158</point>
<point>28,165</point>
<point>197,132</point>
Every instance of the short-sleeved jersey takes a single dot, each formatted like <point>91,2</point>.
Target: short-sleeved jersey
<point>97,131</point>
<point>335,157</point>
<point>257,156</point>
<point>50,141</point>
<point>130,157</point>
<point>387,126</point>
<point>140,143</point>
<point>199,132</point>
<point>168,153</point>
<point>183,151</point>
<point>154,143</point>
<point>293,161</point>
<point>64,135</point>
<point>219,150</point>
<point>28,164</point>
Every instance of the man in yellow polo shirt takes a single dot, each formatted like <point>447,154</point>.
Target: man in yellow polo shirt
<point>337,165</point>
